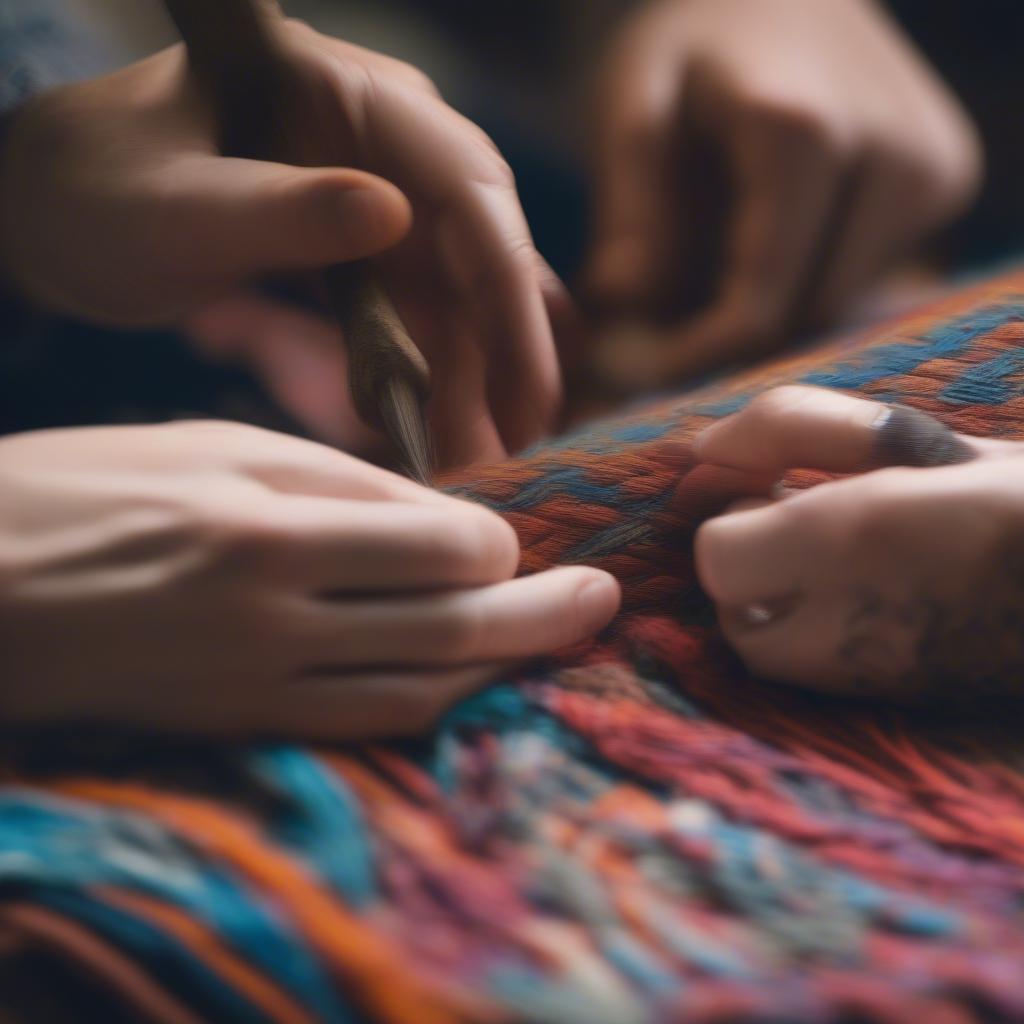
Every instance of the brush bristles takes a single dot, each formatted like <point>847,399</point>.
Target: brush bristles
<point>402,414</point>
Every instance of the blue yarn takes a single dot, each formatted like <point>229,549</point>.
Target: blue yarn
<point>571,479</point>
<point>986,383</point>
<point>172,965</point>
<point>945,340</point>
<point>639,964</point>
<point>324,823</point>
<point>640,433</point>
<point>65,843</point>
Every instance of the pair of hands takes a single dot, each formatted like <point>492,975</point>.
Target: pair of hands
<point>901,581</point>
<point>116,206</point>
<point>218,578</point>
<point>838,146</point>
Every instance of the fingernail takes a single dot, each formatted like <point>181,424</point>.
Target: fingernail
<point>904,436</point>
<point>700,442</point>
<point>597,601</point>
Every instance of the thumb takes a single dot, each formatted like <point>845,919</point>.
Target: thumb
<point>237,219</point>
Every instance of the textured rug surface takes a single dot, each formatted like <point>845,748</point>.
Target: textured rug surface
<point>634,832</point>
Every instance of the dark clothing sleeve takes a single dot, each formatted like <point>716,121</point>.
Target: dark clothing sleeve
<point>44,43</point>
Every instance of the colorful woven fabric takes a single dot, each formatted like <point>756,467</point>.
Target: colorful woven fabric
<point>633,833</point>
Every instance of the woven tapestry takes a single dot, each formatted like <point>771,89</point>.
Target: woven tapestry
<point>635,831</point>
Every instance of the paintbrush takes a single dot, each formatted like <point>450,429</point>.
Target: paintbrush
<point>268,106</point>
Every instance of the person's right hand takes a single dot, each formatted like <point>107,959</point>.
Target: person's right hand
<point>117,206</point>
<point>760,163</point>
<point>216,578</point>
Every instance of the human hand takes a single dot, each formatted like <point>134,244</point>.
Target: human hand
<point>115,205</point>
<point>905,581</point>
<point>221,579</point>
<point>758,165</point>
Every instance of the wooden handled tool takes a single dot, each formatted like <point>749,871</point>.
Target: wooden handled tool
<point>269,107</point>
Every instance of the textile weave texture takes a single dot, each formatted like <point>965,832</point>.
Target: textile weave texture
<point>632,832</point>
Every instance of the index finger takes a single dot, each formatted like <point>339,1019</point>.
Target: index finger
<point>523,379</point>
<point>785,182</point>
<point>637,111</point>
<point>814,428</point>
<point>491,346</point>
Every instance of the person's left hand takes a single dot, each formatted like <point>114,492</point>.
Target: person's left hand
<point>902,581</point>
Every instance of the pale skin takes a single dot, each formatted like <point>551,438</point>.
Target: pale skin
<point>223,580</point>
<point>220,579</point>
<point>758,165</point>
<point>898,582</point>
<point>117,207</point>
<point>837,147</point>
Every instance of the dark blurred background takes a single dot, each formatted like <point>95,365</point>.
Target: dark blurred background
<point>979,50</point>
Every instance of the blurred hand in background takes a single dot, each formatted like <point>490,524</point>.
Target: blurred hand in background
<point>759,164</point>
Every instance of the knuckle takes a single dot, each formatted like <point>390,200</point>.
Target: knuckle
<point>488,163</point>
<point>799,127</point>
<point>504,266</point>
<point>209,429</point>
<point>298,26</point>
<point>942,178</point>
<point>499,170</point>
<point>933,176</point>
<point>486,545</point>
<point>233,540</point>
<point>770,406</point>
<point>522,253</point>
<point>416,78</point>
<point>964,166</point>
